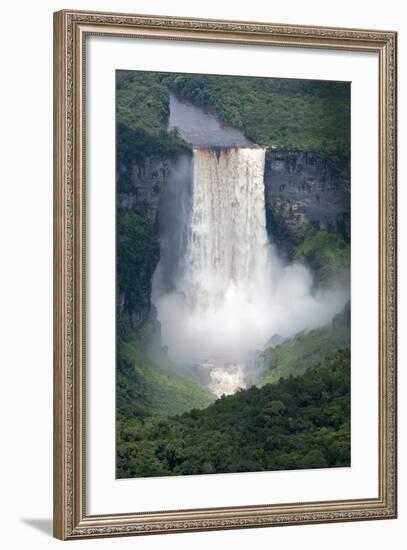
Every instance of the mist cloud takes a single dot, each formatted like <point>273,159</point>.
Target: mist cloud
<point>221,289</point>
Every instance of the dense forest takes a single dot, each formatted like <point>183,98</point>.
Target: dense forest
<point>309,115</point>
<point>296,114</point>
<point>298,416</point>
<point>298,422</point>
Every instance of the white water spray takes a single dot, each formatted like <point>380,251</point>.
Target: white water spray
<point>233,293</point>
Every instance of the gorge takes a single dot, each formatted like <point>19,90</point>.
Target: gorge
<point>224,286</point>
<point>221,289</point>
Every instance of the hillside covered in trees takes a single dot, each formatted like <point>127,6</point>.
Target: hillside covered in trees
<point>308,115</point>
<point>294,114</point>
<point>298,422</point>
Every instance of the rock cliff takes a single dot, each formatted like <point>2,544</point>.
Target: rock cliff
<point>145,180</point>
<point>306,187</point>
<point>300,188</point>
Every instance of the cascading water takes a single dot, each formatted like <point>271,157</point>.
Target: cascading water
<point>226,255</point>
<point>232,293</point>
<point>226,268</point>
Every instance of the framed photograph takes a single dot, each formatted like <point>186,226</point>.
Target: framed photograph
<point>225,274</point>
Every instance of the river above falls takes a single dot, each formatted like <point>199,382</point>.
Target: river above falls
<point>201,127</point>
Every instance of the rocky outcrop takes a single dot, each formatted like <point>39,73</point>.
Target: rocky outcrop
<point>143,182</point>
<point>305,187</point>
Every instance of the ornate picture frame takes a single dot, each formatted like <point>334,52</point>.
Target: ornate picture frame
<point>71,517</point>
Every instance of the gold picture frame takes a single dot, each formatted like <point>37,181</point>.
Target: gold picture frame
<point>70,31</point>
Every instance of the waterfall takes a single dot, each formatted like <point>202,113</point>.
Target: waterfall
<point>217,312</point>
<point>232,293</point>
<point>226,249</point>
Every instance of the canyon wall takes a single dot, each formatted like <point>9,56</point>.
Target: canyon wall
<point>300,188</point>
<point>307,187</point>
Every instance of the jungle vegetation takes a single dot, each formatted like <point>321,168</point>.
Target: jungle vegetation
<point>281,113</point>
<point>297,422</point>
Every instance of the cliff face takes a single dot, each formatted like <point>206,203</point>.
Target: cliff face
<point>149,198</point>
<point>304,187</point>
<point>300,187</point>
<point>145,182</point>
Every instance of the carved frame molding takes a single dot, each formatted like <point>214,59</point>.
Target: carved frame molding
<point>70,31</point>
